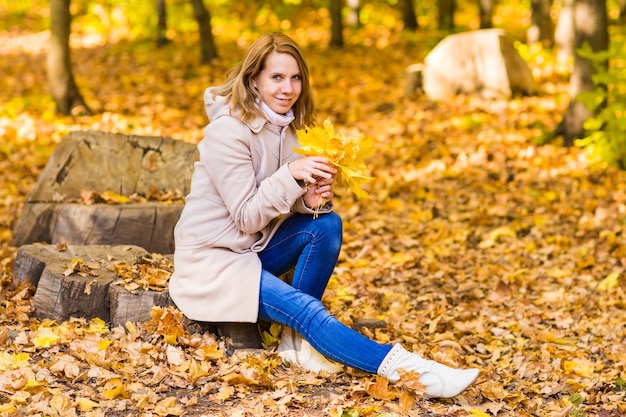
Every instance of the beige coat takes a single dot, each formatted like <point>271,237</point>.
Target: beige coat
<point>241,190</point>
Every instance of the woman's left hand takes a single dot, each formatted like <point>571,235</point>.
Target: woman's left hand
<point>319,193</point>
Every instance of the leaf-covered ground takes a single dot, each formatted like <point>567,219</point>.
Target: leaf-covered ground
<point>478,247</point>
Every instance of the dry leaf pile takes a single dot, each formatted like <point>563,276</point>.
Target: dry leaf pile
<point>477,248</point>
<point>89,197</point>
<point>147,273</point>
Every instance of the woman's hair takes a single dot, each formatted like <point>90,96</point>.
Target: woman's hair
<point>239,86</point>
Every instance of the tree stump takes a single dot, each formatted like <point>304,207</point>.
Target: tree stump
<point>101,162</point>
<point>52,213</point>
<point>60,296</point>
<point>483,62</point>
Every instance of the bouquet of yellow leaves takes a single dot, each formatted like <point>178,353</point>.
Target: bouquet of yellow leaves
<point>345,149</point>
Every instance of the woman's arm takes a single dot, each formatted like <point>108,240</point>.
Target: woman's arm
<point>227,156</point>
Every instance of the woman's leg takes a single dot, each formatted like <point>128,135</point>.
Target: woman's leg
<point>310,245</point>
<point>313,247</point>
<point>281,303</point>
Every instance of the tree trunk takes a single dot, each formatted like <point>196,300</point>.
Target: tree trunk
<point>60,78</point>
<point>409,17</point>
<point>336,27</point>
<point>207,43</point>
<point>622,11</point>
<point>446,14</point>
<point>541,28</point>
<point>162,23</point>
<point>591,26</point>
<point>564,32</point>
<point>486,13</point>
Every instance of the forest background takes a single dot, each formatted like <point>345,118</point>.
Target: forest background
<point>480,247</point>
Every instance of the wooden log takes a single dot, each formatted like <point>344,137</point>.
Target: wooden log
<point>239,336</point>
<point>100,162</point>
<point>134,307</point>
<point>148,225</point>
<point>30,262</point>
<point>59,296</point>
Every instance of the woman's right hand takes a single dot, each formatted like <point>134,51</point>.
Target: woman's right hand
<point>310,169</point>
<point>318,194</point>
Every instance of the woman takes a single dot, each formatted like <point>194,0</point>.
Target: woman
<point>248,219</point>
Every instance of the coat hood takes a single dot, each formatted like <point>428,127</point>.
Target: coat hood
<point>216,107</point>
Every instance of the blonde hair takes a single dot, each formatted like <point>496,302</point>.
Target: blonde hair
<point>239,86</point>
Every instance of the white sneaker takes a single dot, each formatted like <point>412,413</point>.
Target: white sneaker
<point>440,380</point>
<point>293,348</point>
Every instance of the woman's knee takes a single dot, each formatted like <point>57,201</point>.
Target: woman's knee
<point>331,223</point>
<point>333,228</point>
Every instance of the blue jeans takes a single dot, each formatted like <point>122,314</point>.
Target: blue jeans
<point>312,246</point>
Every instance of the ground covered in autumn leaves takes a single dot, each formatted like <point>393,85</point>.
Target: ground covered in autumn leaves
<point>478,247</point>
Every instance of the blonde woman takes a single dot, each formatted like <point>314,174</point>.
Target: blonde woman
<point>248,219</point>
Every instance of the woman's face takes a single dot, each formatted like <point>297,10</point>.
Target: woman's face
<point>280,82</point>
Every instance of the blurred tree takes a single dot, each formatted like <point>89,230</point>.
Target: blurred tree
<point>590,27</point>
<point>486,13</point>
<point>336,27</point>
<point>622,11</point>
<point>207,43</point>
<point>541,26</point>
<point>59,69</point>
<point>409,18</point>
<point>446,14</point>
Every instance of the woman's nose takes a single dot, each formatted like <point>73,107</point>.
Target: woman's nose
<point>287,87</point>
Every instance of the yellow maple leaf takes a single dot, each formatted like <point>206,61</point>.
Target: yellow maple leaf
<point>271,337</point>
<point>380,390</point>
<point>207,353</point>
<point>21,397</point>
<point>61,404</point>
<point>46,337</point>
<point>345,149</point>
<point>8,408</point>
<point>97,326</point>
<point>476,412</point>
<point>246,376</point>
<point>13,361</point>
<point>198,369</point>
<point>410,379</point>
<point>114,198</point>
<point>166,322</point>
<point>114,387</point>
<point>131,328</point>
<point>578,368</point>
<point>85,404</point>
<point>104,344</point>
<point>224,393</point>
<point>407,399</point>
<point>496,236</point>
<point>74,266</point>
<point>31,383</point>
<point>169,407</point>
<point>610,281</point>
